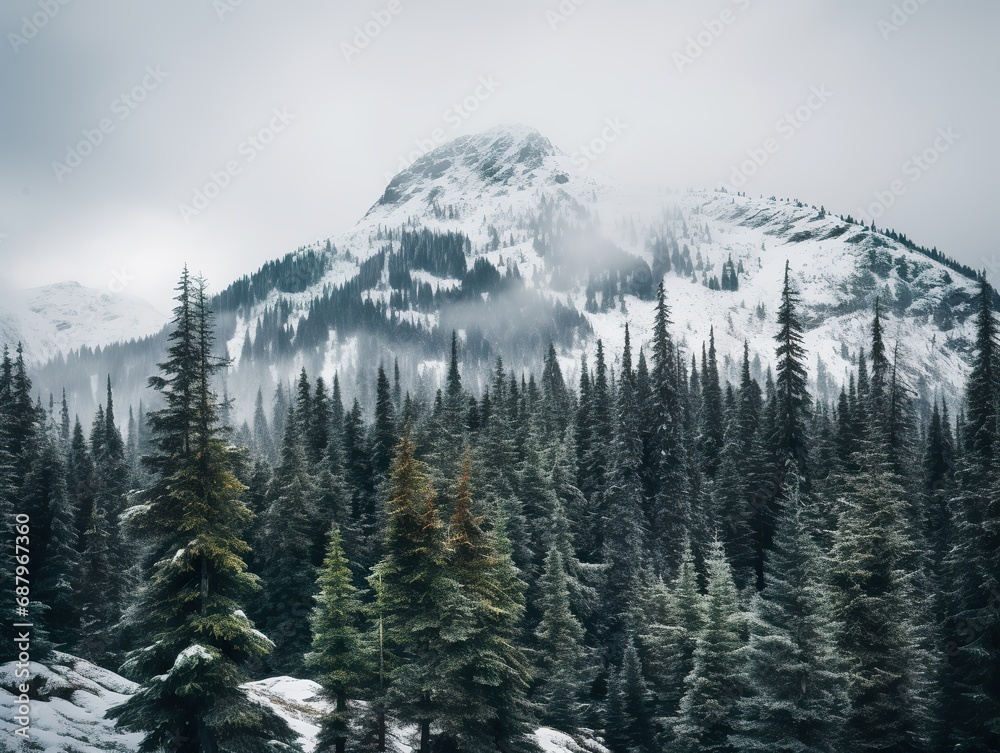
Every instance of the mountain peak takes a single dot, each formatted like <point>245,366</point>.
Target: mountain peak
<point>503,156</point>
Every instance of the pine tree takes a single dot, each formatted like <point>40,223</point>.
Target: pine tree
<point>974,559</point>
<point>8,508</point>
<point>625,527</point>
<point>712,421</point>
<point>874,598</point>
<point>263,442</point>
<point>484,707</point>
<point>318,436</point>
<point>97,633</point>
<point>636,701</point>
<point>81,481</point>
<point>418,599</point>
<point>286,563</point>
<point>672,503</point>
<point>385,436</point>
<point>797,683</point>
<point>981,434</point>
<point>535,490</point>
<point>708,711</point>
<point>339,658</point>
<point>734,488</point>
<point>360,477</point>
<point>563,676</point>
<point>670,621</point>
<point>789,442</point>
<point>189,672</point>
<point>54,558</point>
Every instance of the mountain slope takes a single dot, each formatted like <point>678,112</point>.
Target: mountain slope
<point>66,316</point>
<point>504,238</point>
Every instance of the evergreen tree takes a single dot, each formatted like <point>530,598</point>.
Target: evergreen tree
<point>789,442</point>
<point>286,562</point>
<point>97,632</point>
<point>189,673</point>
<point>671,620</point>
<point>484,707</point>
<point>974,558</point>
<point>54,557</point>
<point>563,676</point>
<point>339,658</point>
<point>419,600</point>
<point>874,597</point>
<point>672,503</point>
<point>625,528</point>
<point>797,683</point>
<point>712,420</point>
<point>734,487</point>
<point>385,436</point>
<point>318,437</point>
<point>708,711</point>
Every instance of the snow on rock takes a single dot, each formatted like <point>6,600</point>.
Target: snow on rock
<point>552,741</point>
<point>70,697</point>
<point>298,702</point>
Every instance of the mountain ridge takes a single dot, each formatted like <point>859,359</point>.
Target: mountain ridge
<point>554,251</point>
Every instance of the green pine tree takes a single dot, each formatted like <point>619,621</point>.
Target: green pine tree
<point>563,675</point>
<point>197,637</point>
<point>797,683</point>
<point>420,602</point>
<point>339,659</point>
<point>709,710</point>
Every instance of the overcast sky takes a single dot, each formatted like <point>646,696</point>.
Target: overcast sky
<point>180,86</point>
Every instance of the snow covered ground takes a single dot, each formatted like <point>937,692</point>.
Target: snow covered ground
<point>72,696</point>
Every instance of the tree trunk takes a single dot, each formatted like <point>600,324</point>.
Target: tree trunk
<point>341,712</point>
<point>425,736</point>
<point>205,741</point>
<point>381,727</point>
<point>204,585</point>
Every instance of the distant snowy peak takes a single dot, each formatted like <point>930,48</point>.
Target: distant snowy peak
<point>67,316</point>
<point>507,167</point>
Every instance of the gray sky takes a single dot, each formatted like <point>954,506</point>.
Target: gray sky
<point>211,74</point>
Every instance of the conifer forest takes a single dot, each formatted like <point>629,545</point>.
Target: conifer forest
<point>647,557</point>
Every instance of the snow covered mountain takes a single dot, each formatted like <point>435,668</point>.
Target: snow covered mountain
<point>67,316</point>
<point>512,242</point>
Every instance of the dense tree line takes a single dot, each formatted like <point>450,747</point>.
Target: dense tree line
<point>674,562</point>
